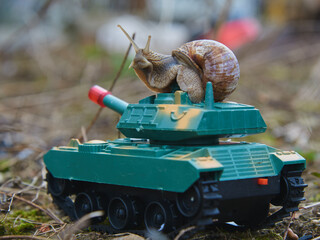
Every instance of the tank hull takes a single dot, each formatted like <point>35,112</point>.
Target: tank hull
<point>137,163</point>
<point>232,181</point>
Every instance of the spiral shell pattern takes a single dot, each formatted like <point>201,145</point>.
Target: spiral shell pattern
<point>217,64</point>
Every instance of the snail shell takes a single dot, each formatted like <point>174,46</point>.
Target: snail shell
<point>214,62</point>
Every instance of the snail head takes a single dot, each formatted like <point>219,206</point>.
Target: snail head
<point>141,65</point>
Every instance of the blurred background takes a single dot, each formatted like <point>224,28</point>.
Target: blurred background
<point>53,51</point>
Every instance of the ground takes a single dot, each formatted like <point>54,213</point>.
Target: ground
<point>44,103</point>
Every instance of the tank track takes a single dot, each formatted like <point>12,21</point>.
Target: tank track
<point>66,205</point>
<point>210,206</point>
<point>208,212</point>
<point>295,194</point>
<point>211,199</point>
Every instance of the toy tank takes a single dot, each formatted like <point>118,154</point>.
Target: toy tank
<point>172,170</point>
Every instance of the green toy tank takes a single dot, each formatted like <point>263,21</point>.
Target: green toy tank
<point>172,170</point>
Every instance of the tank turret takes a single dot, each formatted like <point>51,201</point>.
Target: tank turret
<point>172,117</point>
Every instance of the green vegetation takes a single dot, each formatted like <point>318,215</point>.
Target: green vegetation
<point>21,222</point>
<point>310,155</point>
<point>5,165</point>
<point>94,52</point>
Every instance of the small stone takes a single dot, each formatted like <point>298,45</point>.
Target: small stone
<point>25,153</point>
<point>291,235</point>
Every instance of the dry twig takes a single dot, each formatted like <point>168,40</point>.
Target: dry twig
<point>122,64</point>
<point>183,231</point>
<point>81,138</point>
<point>288,226</point>
<point>9,208</point>
<point>56,231</point>
<point>311,205</point>
<point>21,237</point>
<point>8,128</point>
<point>46,211</point>
<point>81,223</point>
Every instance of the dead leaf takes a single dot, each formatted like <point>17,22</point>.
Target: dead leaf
<point>44,228</point>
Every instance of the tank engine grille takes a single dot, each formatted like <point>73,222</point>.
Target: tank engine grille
<point>244,163</point>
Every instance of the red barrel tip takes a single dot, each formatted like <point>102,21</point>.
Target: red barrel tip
<point>97,93</point>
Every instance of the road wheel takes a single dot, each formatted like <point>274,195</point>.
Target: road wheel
<point>56,186</point>
<point>158,216</point>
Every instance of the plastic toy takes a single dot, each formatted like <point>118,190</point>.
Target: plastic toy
<point>173,169</point>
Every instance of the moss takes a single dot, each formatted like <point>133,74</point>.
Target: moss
<point>33,215</point>
<point>17,222</point>
<point>25,227</point>
<point>2,230</point>
<point>20,227</point>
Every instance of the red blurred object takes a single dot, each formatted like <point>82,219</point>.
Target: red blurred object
<point>236,33</point>
<point>263,181</point>
<point>97,93</point>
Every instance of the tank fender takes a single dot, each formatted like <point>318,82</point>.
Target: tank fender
<point>283,158</point>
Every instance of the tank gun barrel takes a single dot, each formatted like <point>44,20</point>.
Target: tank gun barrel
<point>104,98</point>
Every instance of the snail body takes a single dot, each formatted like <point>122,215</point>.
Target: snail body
<point>191,66</point>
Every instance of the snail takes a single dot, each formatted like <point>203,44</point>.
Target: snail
<point>191,66</point>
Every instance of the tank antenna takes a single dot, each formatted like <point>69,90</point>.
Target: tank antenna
<point>209,98</point>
